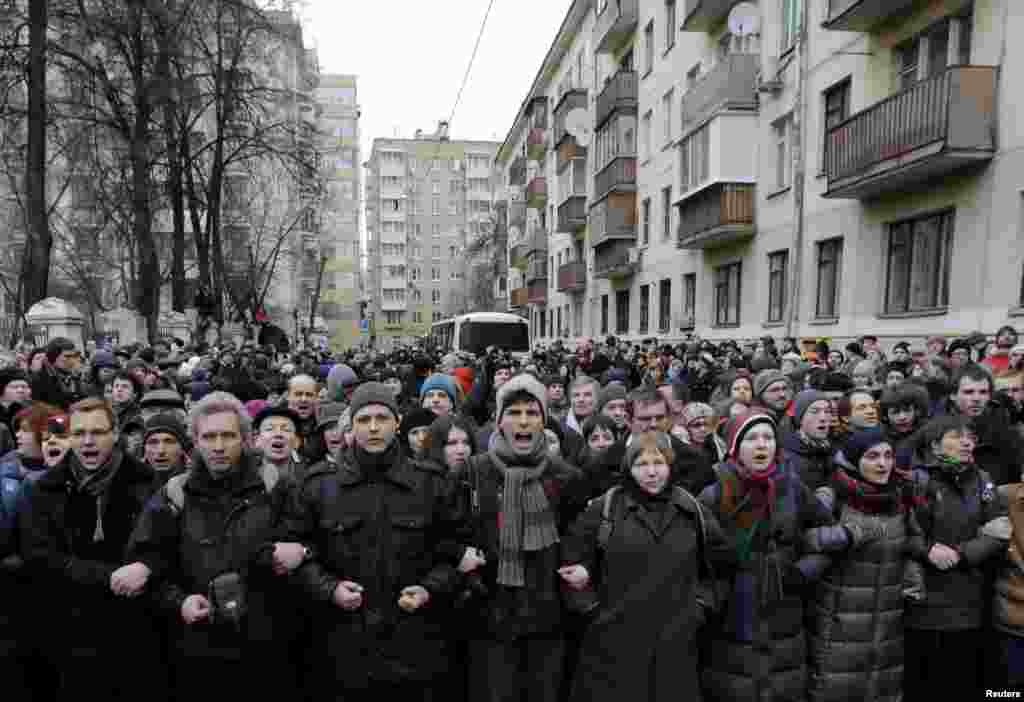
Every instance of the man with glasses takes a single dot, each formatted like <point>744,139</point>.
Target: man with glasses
<point>58,382</point>
<point>77,525</point>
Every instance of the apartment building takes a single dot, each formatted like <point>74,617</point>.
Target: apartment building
<point>427,199</point>
<point>337,101</point>
<point>832,168</point>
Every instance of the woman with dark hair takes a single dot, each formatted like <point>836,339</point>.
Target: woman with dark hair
<point>451,441</point>
<point>903,410</point>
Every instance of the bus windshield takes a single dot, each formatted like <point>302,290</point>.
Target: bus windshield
<point>475,337</point>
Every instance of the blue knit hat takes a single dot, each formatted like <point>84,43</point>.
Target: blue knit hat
<point>859,442</point>
<point>440,381</point>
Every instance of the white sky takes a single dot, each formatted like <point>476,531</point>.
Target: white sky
<point>410,58</point>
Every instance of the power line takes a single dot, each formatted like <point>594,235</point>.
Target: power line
<point>472,58</point>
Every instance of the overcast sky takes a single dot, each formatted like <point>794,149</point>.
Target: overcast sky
<point>410,57</point>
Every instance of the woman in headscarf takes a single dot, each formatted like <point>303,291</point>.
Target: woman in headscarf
<point>644,549</point>
<point>758,649</point>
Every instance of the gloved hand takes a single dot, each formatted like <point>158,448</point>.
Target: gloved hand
<point>826,496</point>
<point>864,532</point>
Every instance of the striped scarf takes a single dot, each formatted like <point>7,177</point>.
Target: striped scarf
<point>527,521</point>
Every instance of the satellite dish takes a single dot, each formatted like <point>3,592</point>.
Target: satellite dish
<point>744,19</point>
<point>577,123</point>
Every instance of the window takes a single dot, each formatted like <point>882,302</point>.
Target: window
<point>558,325</point>
<point>437,316</point>
<point>604,314</point>
<point>780,133</point>
<point>670,24</point>
<point>435,297</point>
<point>695,159</point>
<point>830,259</point>
<point>907,62</point>
<point>415,273</point>
<point>649,47</point>
<point>435,187</point>
<point>689,300</point>
<point>646,231</point>
<point>435,230</point>
<point>917,275</point>
<point>837,106</point>
<point>664,305</point>
<point>666,213</point>
<point>435,252</point>
<point>436,209</point>
<point>622,312</point>
<point>417,317</point>
<point>777,285</point>
<point>727,295</point>
<point>666,108</point>
<point>436,165</point>
<point>645,307</point>
<point>453,186</point>
<point>417,296</point>
<point>453,252</point>
<point>931,52</point>
<point>645,135</point>
<point>435,274</point>
<point>616,138</point>
<point>790,23</point>
<point>453,207</point>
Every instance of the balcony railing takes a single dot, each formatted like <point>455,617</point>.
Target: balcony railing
<point>518,298</point>
<point>620,260</point>
<point>517,255</point>
<point>620,174</point>
<point>862,15</point>
<point>931,129</point>
<point>719,214</point>
<point>705,15</point>
<point>574,99</point>
<point>537,193</point>
<point>732,84</point>
<point>572,214</point>
<point>614,217</point>
<point>615,24</point>
<point>537,292</point>
<point>620,93</point>
<point>572,276</point>
<point>537,114</point>
<point>517,172</point>
<point>536,143</point>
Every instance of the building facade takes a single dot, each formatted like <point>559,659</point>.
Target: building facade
<point>427,200</point>
<point>808,169</point>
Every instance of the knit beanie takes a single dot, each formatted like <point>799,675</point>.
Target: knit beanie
<point>440,381</point>
<point>611,391</point>
<point>696,410</point>
<point>9,375</point>
<point>523,382</point>
<point>328,413</point>
<point>373,394</point>
<point>416,419</point>
<point>340,378</point>
<point>765,378</point>
<point>803,402</point>
<point>167,424</point>
<point>738,426</point>
<point>859,442</point>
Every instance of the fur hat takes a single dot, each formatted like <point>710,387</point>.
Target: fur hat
<point>373,394</point>
<point>523,382</point>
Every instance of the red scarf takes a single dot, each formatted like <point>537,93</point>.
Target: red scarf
<point>761,490</point>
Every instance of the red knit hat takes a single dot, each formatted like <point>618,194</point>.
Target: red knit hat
<point>738,426</point>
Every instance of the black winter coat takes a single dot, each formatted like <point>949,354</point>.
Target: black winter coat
<point>386,529</point>
<point>813,465</point>
<point>225,526</point>
<point>642,643</point>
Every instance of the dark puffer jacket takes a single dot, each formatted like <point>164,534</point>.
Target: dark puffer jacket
<point>812,464</point>
<point>856,626</point>
<point>772,667</point>
<point>953,513</point>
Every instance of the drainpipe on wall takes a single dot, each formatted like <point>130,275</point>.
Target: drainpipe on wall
<point>798,120</point>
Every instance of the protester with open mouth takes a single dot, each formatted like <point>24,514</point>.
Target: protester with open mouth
<point>758,649</point>
<point>165,443</point>
<point>276,436</point>
<point>330,431</point>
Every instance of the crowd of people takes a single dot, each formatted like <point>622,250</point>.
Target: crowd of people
<point>730,522</point>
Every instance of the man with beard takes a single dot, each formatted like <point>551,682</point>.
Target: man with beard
<point>303,399</point>
<point>384,532</point>
<point>165,446</point>
<point>276,437</point>
<point>612,403</point>
<point>998,357</point>
<point>772,392</point>
<point>77,525</point>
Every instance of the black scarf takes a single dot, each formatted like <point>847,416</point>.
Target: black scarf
<point>375,465</point>
<point>96,484</point>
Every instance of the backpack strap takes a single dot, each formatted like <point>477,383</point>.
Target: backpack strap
<point>175,491</point>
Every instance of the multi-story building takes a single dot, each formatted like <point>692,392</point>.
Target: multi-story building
<point>804,169</point>
<point>427,199</point>
<point>340,211</point>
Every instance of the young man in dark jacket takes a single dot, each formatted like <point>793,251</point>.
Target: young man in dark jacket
<point>386,535</point>
<point>76,526</point>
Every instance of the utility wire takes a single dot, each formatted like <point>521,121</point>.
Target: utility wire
<point>472,58</point>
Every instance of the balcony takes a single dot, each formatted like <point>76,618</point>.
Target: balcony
<point>537,193</point>
<point>620,93</point>
<point>930,130</point>
<point>863,15</point>
<point>536,143</point>
<point>538,240</point>
<point>618,261</point>
<point>517,255</point>
<point>517,298</point>
<point>572,99</point>
<point>618,176</point>
<point>572,277</point>
<point>517,172</point>
<point>572,214</point>
<point>537,113</point>
<point>537,292</point>
<point>731,85</point>
<point>706,15</point>
<point>537,268</point>
<point>613,218</point>
<point>615,25</point>
<point>720,214</point>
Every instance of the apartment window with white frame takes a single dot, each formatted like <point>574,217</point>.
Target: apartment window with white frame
<point>649,47</point>
<point>645,238</point>
<point>435,187</point>
<point>918,266</point>
<point>666,108</point>
<point>695,159</point>
<point>783,162</point>
<point>670,24</point>
<point>645,138</point>
<point>830,265</point>
<point>436,209</point>
<point>453,207</point>
<point>435,297</point>
<point>435,230</point>
<point>666,213</point>
<point>689,300</point>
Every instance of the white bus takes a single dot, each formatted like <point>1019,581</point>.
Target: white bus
<point>476,331</point>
